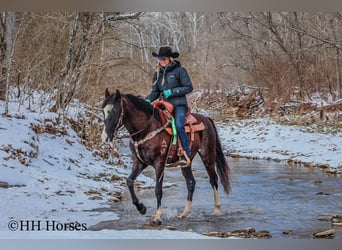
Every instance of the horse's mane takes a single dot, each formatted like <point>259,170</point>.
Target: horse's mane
<point>140,104</point>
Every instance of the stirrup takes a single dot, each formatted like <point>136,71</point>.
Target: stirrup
<point>184,161</point>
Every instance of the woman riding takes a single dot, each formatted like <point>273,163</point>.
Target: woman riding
<point>173,82</point>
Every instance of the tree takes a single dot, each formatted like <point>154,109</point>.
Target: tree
<point>84,32</point>
<point>288,52</point>
<point>7,36</point>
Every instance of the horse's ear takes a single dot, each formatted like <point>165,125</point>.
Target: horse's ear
<point>107,93</point>
<point>118,94</point>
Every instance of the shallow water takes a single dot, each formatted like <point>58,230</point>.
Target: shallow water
<point>266,195</point>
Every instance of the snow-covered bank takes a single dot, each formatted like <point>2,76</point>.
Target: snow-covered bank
<point>264,139</point>
<point>50,180</point>
<point>52,176</point>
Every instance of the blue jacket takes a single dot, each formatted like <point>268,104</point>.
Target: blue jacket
<point>175,78</point>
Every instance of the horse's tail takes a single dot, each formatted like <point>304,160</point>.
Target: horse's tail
<point>222,167</point>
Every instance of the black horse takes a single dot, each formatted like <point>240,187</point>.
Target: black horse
<point>148,139</point>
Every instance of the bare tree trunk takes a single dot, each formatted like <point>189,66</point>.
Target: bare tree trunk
<point>300,56</point>
<point>3,56</point>
<point>102,46</point>
<point>295,61</point>
<point>9,43</point>
<point>63,85</point>
<point>8,22</point>
<point>75,57</point>
<point>338,65</point>
<point>338,61</point>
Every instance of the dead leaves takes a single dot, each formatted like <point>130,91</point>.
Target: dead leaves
<point>99,193</point>
<point>20,154</point>
<point>48,128</point>
<point>248,232</point>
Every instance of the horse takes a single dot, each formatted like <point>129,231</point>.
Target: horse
<point>148,138</point>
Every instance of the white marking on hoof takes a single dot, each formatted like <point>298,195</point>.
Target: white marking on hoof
<point>217,211</point>
<point>187,210</point>
<point>183,215</point>
<point>157,218</point>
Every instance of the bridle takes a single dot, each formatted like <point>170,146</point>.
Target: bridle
<point>149,136</point>
<point>119,124</point>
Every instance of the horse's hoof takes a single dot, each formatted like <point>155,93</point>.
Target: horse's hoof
<point>142,209</point>
<point>217,212</point>
<point>183,215</point>
<point>156,222</point>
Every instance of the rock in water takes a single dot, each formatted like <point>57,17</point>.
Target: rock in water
<point>336,220</point>
<point>4,184</point>
<point>324,234</point>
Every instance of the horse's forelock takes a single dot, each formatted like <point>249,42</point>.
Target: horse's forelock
<point>108,99</point>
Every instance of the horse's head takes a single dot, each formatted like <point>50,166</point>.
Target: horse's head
<point>113,111</point>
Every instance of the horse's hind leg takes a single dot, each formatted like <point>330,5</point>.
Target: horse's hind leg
<point>190,183</point>
<point>209,163</point>
<point>136,170</point>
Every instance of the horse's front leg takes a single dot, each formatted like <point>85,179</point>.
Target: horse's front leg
<point>136,170</point>
<point>156,219</point>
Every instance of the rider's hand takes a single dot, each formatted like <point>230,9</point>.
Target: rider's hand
<point>167,93</point>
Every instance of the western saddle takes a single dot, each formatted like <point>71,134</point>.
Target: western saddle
<point>192,125</point>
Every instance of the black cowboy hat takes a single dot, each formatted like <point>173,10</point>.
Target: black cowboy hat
<point>165,52</point>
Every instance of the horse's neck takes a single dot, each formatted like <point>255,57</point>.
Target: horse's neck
<point>137,123</point>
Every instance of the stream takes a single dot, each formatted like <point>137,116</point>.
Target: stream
<point>290,202</point>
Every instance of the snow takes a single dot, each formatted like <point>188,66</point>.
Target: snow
<point>58,180</point>
<point>264,139</point>
<point>53,177</point>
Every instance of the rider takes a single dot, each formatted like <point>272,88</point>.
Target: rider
<point>173,82</point>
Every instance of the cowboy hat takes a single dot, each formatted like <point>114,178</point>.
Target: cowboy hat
<point>165,52</point>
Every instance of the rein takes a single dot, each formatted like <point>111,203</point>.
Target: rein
<point>150,135</point>
<point>145,127</point>
<point>119,124</point>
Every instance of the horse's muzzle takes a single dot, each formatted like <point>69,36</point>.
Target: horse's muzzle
<point>105,137</point>
<point>110,138</point>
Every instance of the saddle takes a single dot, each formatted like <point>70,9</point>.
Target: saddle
<point>192,125</point>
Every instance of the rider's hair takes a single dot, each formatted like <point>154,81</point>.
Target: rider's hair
<point>158,72</point>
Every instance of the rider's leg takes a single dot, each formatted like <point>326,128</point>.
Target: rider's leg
<point>180,113</point>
